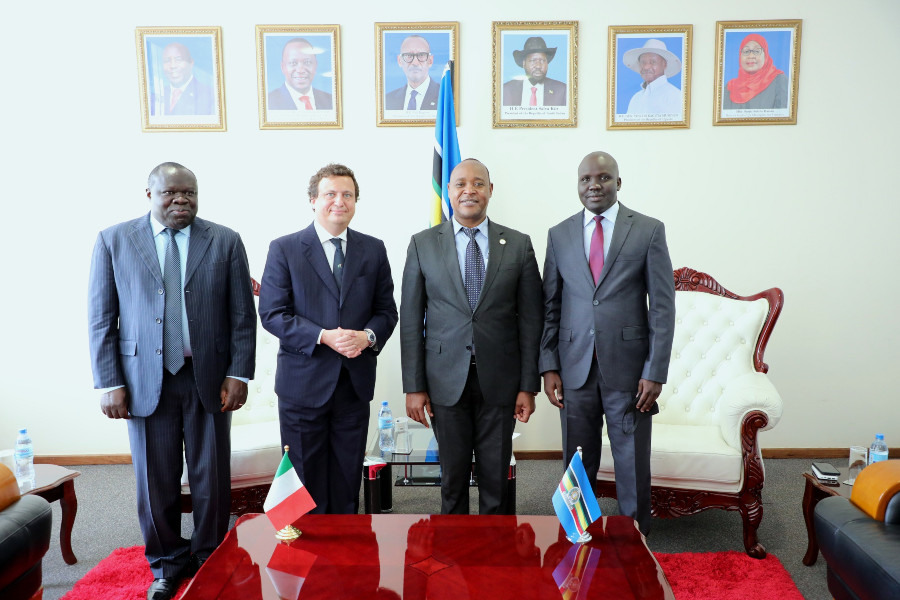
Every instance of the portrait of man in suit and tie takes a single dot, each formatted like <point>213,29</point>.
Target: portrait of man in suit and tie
<point>534,88</point>
<point>421,90</point>
<point>470,327</point>
<point>327,294</point>
<point>172,328</point>
<point>609,306</point>
<point>184,94</point>
<point>298,65</point>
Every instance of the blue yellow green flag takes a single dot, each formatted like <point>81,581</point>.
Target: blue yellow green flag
<point>446,150</point>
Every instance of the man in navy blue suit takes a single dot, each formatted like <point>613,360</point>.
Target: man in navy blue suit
<point>183,94</point>
<point>174,359</point>
<point>328,296</point>
<point>421,91</point>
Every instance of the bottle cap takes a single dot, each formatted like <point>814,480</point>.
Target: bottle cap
<point>23,430</point>
<point>384,403</point>
<point>879,436</point>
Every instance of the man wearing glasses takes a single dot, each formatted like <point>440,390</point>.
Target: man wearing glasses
<point>420,91</point>
<point>298,64</point>
<point>534,88</point>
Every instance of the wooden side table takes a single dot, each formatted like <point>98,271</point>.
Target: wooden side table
<point>816,490</point>
<point>52,483</point>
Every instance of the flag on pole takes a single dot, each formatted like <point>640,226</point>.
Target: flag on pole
<point>288,568</point>
<point>288,499</point>
<point>574,501</point>
<point>446,150</point>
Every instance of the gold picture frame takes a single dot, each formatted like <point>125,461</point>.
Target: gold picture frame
<point>299,76</point>
<point>181,78</point>
<point>393,91</point>
<point>752,87</point>
<point>513,43</point>
<point>660,53</point>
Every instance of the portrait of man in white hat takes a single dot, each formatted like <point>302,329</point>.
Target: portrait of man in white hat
<point>534,88</point>
<point>655,64</point>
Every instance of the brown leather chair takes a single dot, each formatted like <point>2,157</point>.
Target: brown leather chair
<point>24,539</point>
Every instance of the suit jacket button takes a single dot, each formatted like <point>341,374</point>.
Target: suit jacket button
<point>159,291</point>
<point>159,320</point>
<point>596,302</point>
<point>592,331</point>
<point>469,348</point>
<point>158,351</point>
<point>474,319</point>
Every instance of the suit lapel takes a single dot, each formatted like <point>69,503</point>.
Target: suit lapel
<point>447,245</point>
<point>315,254</point>
<point>353,259</point>
<point>142,237</point>
<point>620,232</point>
<point>573,242</point>
<point>201,238</point>
<point>495,257</point>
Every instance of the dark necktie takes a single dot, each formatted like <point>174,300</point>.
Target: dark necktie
<point>596,252</point>
<point>474,268</point>
<point>338,264</point>
<point>412,100</point>
<point>173,344</point>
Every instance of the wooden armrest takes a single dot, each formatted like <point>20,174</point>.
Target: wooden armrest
<point>875,486</point>
<point>9,487</point>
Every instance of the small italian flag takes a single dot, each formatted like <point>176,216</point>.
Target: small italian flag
<point>288,499</point>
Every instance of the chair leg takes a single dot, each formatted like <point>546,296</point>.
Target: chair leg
<point>751,510</point>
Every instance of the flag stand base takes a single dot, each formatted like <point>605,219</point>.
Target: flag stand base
<point>288,534</point>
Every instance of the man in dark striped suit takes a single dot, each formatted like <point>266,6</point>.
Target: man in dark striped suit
<point>173,342</point>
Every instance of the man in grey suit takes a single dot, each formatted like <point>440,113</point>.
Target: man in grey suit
<point>609,317</point>
<point>174,359</point>
<point>470,328</point>
<point>534,58</point>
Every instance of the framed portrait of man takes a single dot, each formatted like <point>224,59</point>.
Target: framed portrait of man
<point>299,76</point>
<point>649,77</point>
<point>180,75</point>
<point>409,60</point>
<point>757,72</point>
<point>535,73</point>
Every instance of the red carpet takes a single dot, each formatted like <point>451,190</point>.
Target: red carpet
<point>124,575</point>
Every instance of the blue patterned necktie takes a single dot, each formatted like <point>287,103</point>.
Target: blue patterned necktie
<point>173,344</point>
<point>338,264</point>
<point>412,100</point>
<point>474,268</point>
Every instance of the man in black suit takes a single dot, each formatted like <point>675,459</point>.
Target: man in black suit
<point>299,64</point>
<point>328,296</point>
<point>174,360</point>
<point>183,94</point>
<point>470,328</point>
<point>420,91</point>
<point>535,58</point>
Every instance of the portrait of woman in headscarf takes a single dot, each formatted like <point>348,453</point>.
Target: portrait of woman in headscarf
<point>759,83</point>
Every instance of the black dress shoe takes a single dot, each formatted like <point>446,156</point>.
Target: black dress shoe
<point>193,565</point>
<point>163,588</point>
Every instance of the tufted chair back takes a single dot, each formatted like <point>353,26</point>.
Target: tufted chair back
<point>714,345</point>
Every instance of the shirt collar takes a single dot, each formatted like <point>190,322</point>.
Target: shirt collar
<point>324,236</point>
<point>659,81</point>
<point>183,86</point>
<point>609,214</point>
<point>158,227</point>
<point>482,227</point>
<point>295,95</point>
<point>423,87</point>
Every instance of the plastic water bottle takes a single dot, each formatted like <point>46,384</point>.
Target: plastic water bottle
<point>878,451</point>
<point>385,428</point>
<point>24,460</point>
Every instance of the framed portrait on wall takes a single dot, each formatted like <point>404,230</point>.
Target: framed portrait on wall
<point>299,76</point>
<point>535,73</point>
<point>409,60</point>
<point>757,72</point>
<point>180,75</point>
<point>649,77</point>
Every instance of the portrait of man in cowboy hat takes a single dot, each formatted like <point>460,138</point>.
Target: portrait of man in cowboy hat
<point>533,88</point>
<point>655,64</point>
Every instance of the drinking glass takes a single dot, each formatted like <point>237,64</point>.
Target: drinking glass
<point>401,436</point>
<point>858,456</point>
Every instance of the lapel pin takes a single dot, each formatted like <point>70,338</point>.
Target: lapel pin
<point>502,242</point>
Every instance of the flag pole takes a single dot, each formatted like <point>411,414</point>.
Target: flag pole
<point>289,533</point>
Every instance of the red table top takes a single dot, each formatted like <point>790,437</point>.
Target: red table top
<point>430,556</point>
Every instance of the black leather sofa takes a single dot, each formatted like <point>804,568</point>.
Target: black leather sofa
<point>24,539</point>
<point>860,537</point>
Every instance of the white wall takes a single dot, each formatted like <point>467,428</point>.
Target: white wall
<point>810,208</point>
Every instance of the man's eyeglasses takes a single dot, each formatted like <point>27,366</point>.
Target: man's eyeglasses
<point>752,52</point>
<point>409,56</point>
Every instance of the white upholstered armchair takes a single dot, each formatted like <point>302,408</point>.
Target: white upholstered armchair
<point>255,434</point>
<point>705,452</point>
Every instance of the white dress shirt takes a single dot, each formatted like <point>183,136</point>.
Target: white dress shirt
<point>608,223</point>
<point>657,97</point>
<point>295,95</point>
<point>329,249</point>
<point>526,93</point>
<point>420,94</point>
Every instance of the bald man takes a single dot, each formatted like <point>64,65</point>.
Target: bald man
<point>298,65</point>
<point>421,91</point>
<point>470,326</point>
